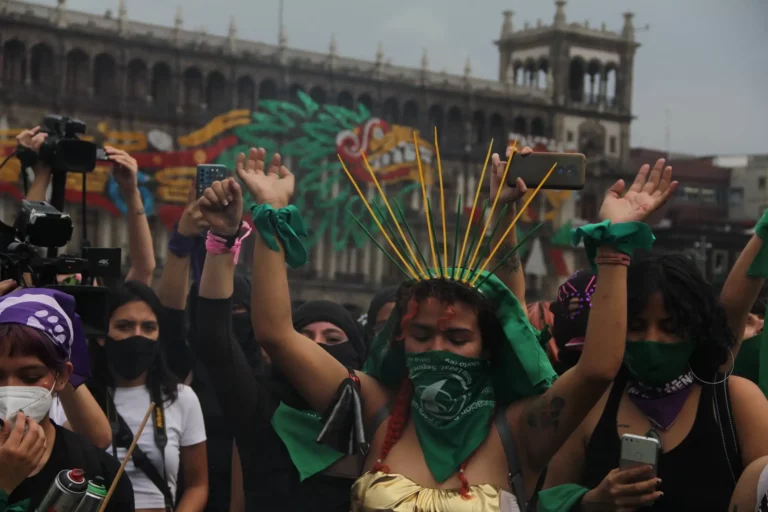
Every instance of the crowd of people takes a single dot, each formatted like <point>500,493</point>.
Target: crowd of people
<point>453,394</point>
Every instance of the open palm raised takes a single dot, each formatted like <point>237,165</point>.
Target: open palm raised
<point>646,195</point>
<point>273,186</point>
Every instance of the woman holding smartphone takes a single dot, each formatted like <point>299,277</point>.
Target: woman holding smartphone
<point>709,426</point>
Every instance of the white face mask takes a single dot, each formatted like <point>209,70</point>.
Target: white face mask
<point>34,401</point>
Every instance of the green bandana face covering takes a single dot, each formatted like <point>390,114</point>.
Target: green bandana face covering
<point>452,407</point>
<point>654,363</point>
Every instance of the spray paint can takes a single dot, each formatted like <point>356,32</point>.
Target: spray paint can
<point>65,492</point>
<point>94,496</point>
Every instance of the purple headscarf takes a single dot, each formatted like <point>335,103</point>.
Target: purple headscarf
<point>53,313</point>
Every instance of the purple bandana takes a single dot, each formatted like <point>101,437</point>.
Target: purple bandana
<point>53,313</point>
<point>662,406</point>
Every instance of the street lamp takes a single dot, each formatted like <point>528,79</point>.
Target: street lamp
<point>700,248</point>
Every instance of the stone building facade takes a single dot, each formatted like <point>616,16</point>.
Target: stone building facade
<point>562,81</point>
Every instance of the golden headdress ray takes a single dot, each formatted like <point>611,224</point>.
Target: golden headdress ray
<point>411,266</point>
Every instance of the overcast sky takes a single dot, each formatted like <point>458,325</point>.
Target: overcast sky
<point>703,60</point>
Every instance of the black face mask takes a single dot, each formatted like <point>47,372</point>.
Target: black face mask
<point>344,353</point>
<point>132,356</point>
<point>242,328</point>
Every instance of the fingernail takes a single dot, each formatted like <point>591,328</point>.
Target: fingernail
<point>226,203</point>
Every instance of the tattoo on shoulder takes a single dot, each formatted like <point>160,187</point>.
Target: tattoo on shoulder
<point>622,425</point>
<point>546,414</point>
<point>512,263</point>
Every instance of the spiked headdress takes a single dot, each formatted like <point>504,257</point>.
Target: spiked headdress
<point>524,369</point>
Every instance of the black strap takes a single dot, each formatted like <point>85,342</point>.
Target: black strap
<point>728,434</point>
<point>539,486</point>
<point>513,461</point>
<point>122,436</point>
<point>380,417</point>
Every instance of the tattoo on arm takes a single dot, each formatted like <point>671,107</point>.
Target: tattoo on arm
<point>622,425</point>
<point>546,414</point>
<point>512,263</point>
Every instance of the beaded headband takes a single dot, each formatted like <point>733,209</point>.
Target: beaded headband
<point>465,266</point>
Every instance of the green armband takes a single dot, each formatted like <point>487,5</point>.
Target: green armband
<point>625,237</point>
<point>285,225</point>
<point>759,266</point>
<point>561,498</point>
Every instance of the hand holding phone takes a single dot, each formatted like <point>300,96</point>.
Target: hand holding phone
<point>207,174</point>
<point>623,489</point>
<point>569,174</point>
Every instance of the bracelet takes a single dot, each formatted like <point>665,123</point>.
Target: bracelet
<point>180,245</point>
<point>217,244</point>
<point>613,259</point>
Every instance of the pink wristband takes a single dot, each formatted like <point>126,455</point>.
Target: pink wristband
<point>216,244</point>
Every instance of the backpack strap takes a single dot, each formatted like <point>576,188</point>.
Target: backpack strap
<point>513,461</point>
<point>724,418</point>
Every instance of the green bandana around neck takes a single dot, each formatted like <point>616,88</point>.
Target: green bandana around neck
<point>521,367</point>
<point>655,363</point>
<point>451,408</point>
<point>299,431</point>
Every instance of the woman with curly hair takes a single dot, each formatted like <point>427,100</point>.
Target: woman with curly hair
<point>457,392</point>
<point>670,387</point>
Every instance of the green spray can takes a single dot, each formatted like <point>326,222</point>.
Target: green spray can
<point>94,496</point>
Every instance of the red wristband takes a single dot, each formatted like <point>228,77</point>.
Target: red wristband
<point>616,258</point>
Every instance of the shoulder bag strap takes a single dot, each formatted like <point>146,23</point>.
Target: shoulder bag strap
<point>122,436</point>
<point>513,461</point>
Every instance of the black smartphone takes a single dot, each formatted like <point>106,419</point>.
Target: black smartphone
<point>569,174</point>
<point>207,174</point>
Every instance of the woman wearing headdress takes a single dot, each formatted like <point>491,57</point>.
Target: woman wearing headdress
<point>709,425</point>
<point>283,467</point>
<point>42,347</point>
<point>466,393</point>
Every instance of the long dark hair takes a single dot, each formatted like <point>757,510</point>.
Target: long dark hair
<point>159,377</point>
<point>690,301</point>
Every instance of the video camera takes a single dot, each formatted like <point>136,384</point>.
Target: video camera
<point>40,225</point>
<point>63,151</point>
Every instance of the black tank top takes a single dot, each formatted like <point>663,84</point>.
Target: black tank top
<point>695,474</point>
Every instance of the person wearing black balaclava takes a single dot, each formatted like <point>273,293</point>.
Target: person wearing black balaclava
<point>381,307</point>
<point>283,467</point>
<point>571,312</point>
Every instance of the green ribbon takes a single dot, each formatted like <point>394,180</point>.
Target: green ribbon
<point>521,368</point>
<point>625,237</point>
<point>452,407</point>
<point>286,225</point>
<point>299,430</point>
<point>19,506</point>
<point>561,498</point>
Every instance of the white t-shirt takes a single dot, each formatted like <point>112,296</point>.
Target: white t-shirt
<point>184,427</point>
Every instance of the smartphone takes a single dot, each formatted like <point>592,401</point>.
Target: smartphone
<point>569,174</point>
<point>207,174</point>
<point>101,155</point>
<point>639,451</point>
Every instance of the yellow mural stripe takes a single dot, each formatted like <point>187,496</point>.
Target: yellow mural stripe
<point>215,127</point>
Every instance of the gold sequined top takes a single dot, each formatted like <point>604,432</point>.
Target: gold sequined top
<point>384,492</point>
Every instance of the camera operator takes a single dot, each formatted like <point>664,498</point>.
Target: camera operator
<point>33,139</point>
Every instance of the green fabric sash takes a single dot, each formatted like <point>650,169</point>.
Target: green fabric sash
<point>561,498</point>
<point>20,506</point>
<point>299,430</point>
<point>625,237</point>
<point>285,225</point>
<point>520,370</point>
<point>451,408</point>
<point>759,266</point>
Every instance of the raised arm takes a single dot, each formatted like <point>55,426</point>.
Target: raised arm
<point>33,139</point>
<point>84,415</point>
<point>743,286</point>
<point>314,373</point>
<point>142,250</point>
<point>510,272</point>
<point>547,421</point>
